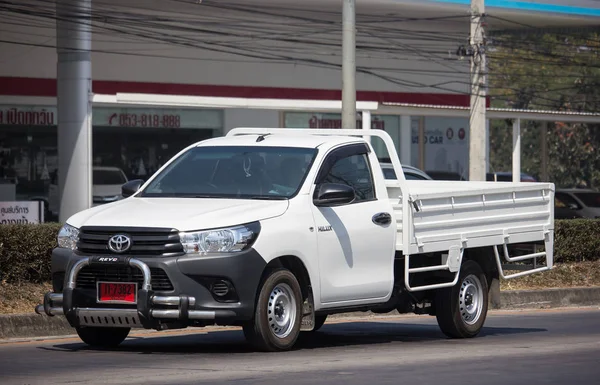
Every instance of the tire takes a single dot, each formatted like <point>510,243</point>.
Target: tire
<point>319,321</point>
<point>270,330</point>
<point>103,337</point>
<point>461,310</point>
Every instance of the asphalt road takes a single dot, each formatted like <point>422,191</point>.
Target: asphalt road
<point>537,347</point>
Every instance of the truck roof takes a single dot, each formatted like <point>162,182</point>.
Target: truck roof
<point>278,140</point>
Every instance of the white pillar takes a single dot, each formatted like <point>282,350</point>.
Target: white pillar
<point>349,64</point>
<point>74,87</point>
<point>366,123</point>
<point>487,146</point>
<point>544,151</point>
<point>405,140</point>
<point>477,137</point>
<point>422,143</point>
<point>516,155</point>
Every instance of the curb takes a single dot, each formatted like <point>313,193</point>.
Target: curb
<point>35,325</point>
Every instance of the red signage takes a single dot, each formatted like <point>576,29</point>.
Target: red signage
<point>29,117</point>
<point>145,120</point>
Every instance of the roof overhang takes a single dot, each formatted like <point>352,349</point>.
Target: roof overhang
<point>183,101</point>
<point>491,113</point>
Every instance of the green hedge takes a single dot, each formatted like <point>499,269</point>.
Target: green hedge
<point>25,249</point>
<point>577,240</point>
<point>25,252</point>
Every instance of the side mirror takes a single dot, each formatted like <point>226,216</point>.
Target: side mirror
<point>131,187</point>
<point>573,206</point>
<point>332,194</point>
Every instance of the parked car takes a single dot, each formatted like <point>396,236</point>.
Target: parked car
<point>273,230</point>
<point>106,187</point>
<point>444,175</point>
<point>507,177</point>
<point>576,203</point>
<point>410,172</point>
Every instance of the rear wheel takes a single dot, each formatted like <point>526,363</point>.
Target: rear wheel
<point>278,313</point>
<point>104,337</point>
<point>461,310</point>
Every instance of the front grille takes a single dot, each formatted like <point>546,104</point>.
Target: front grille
<point>144,241</point>
<point>89,275</point>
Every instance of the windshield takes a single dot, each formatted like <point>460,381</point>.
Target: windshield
<point>591,199</point>
<point>105,177</point>
<point>234,172</point>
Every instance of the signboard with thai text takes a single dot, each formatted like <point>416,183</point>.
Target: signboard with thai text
<point>21,212</point>
<point>157,118</point>
<point>28,116</point>
<point>117,117</point>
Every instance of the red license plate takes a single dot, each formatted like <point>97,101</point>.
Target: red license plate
<point>117,292</point>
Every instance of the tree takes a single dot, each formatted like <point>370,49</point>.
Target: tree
<point>547,71</point>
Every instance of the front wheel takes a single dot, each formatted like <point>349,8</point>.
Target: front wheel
<point>278,313</point>
<point>104,337</point>
<point>461,310</point>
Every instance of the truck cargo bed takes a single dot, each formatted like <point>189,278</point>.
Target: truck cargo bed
<point>472,214</point>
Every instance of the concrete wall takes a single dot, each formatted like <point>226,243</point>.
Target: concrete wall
<point>140,54</point>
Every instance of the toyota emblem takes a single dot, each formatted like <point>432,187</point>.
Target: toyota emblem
<point>119,243</point>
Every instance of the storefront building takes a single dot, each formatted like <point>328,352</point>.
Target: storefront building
<point>137,141</point>
<point>182,56</point>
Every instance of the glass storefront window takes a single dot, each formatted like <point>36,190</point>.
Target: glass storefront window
<point>446,139</point>
<point>388,123</point>
<point>137,141</point>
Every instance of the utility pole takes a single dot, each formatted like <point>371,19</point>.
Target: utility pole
<point>477,121</point>
<point>74,90</point>
<point>349,64</point>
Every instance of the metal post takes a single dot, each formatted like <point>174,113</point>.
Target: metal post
<point>487,146</point>
<point>349,64</point>
<point>74,87</point>
<point>516,155</point>
<point>422,143</point>
<point>477,143</point>
<point>405,139</point>
<point>544,151</point>
<point>366,123</point>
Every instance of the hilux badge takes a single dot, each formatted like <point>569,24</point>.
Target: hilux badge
<point>119,243</point>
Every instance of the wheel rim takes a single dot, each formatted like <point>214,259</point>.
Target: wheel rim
<point>470,300</point>
<point>282,310</point>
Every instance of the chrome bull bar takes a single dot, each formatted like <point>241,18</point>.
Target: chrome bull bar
<point>145,315</point>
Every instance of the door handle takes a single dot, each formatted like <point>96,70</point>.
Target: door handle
<point>382,219</point>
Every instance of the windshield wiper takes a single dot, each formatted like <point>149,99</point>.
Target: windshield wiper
<point>266,197</point>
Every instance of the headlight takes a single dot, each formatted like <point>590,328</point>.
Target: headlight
<point>68,237</point>
<point>227,240</point>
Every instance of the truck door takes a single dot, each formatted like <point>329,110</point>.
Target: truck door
<point>355,240</point>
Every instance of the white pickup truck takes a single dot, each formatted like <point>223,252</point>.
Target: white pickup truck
<point>275,229</point>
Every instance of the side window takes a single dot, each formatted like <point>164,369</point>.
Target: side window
<point>410,176</point>
<point>355,172</point>
<point>565,201</point>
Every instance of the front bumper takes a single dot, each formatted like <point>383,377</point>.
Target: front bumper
<point>189,303</point>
